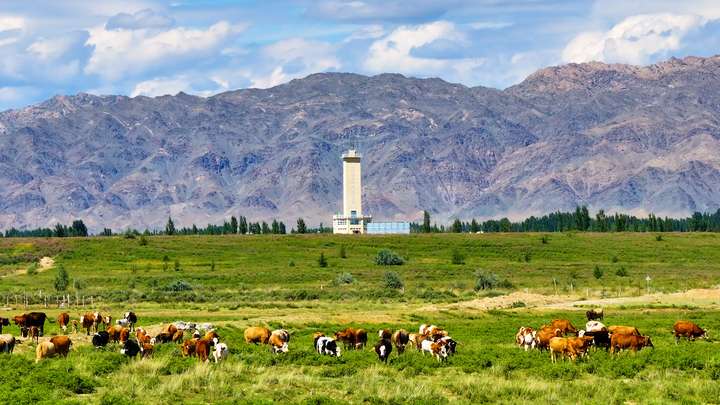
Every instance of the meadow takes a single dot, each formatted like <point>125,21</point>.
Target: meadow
<point>240,281</point>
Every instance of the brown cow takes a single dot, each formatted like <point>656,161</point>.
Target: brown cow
<point>146,349</point>
<point>142,336</point>
<point>580,345</point>
<point>401,338</point>
<point>31,319</point>
<point>565,326</point>
<point>188,347</point>
<point>34,333</point>
<point>352,338</point>
<point>688,330</point>
<point>621,342</point>
<point>279,341</point>
<point>178,336</point>
<point>202,349</point>
<point>7,343</point>
<point>561,346</point>
<point>63,320</point>
<point>87,322</point>
<point>257,334</point>
<point>56,346</point>
<point>624,330</point>
<point>124,335</point>
<point>170,329</point>
<point>544,335</point>
<point>114,333</point>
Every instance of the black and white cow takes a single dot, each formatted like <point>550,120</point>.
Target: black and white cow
<point>128,320</point>
<point>327,346</point>
<point>383,348</point>
<point>130,348</point>
<point>101,339</point>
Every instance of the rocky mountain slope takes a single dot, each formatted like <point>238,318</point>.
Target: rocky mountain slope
<point>616,137</point>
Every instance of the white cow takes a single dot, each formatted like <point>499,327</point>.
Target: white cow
<point>221,351</point>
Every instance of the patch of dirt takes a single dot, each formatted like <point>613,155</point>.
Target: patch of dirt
<point>44,264</point>
<point>503,301</point>
<point>704,297</point>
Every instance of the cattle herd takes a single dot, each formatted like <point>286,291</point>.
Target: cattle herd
<point>561,338</point>
<point>564,340</point>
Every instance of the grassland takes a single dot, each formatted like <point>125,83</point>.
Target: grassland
<point>276,281</point>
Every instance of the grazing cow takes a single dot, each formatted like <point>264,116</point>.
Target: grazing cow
<point>146,349</point>
<point>401,338</point>
<point>130,348</point>
<point>383,348</point>
<point>56,346</point>
<point>620,342</point>
<point>594,326</point>
<point>87,322</point>
<point>257,334</point>
<point>142,336</point>
<point>580,345</point>
<point>325,345</point>
<point>565,326</point>
<point>129,320</point>
<point>162,337</point>
<point>561,346</point>
<point>221,351</point>
<point>114,333</point>
<point>101,339</point>
<point>688,330</point>
<point>178,336</point>
<point>526,338</point>
<point>385,334</point>
<point>352,338</point>
<point>449,343</point>
<point>415,339</point>
<point>188,348</point>
<point>544,335</point>
<point>124,335</point>
<point>593,314</point>
<point>31,319</point>
<point>63,321</point>
<point>97,321</point>
<point>600,338</point>
<point>169,329</point>
<point>34,333</point>
<point>4,322</point>
<point>279,341</point>
<point>437,349</point>
<point>202,349</point>
<point>7,343</point>
<point>624,330</point>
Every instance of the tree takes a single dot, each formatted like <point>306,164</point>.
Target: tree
<point>78,228</point>
<point>457,226</point>
<point>62,279</point>
<point>60,231</point>
<point>170,227</point>
<point>275,227</point>
<point>265,228</point>
<point>598,272</point>
<point>474,226</point>
<point>106,232</point>
<point>243,225</point>
<point>322,261</point>
<point>301,228</point>
<point>283,230</point>
<point>393,280</point>
<point>426,222</point>
<point>233,225</point>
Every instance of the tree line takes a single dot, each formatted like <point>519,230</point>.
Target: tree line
<point>580,220</point>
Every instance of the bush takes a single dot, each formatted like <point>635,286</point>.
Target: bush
<point>457,257</point>
<point>659,238</point>
<point>32,269</point>
<point>393,280</point>
<point>322,261</point>
<point>598,272</point>
<point>486,281</point>
<point>291,263</point>
<point>526,257</point>
<point>387,257</point>
<point>178,285</point>
<point>344,278</point>
<point>518,304</point>
<point>615,259</point>
<point>544,239</point>
<point>341,252</point>
<point>143,241</point>
<point>177,265</point>
<point>62,279</point>
<point>622,272</point>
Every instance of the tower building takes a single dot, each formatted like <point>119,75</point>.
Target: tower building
<point>351,220</point>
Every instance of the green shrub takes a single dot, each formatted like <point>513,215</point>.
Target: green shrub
<point>387,257</point>
<point>615,259</point>
<point>659,238</point>
<point>393,280</point>
<point>457,257</point>
<point>341,252</point>
<point>291,263</point>
<point>143,241</point>
<point>32,269</point>
<point>322,261</point>
<point>178,285</point>
<point>518,304</point>
<point>544,239</point>
<point>622,272</point>
<point>344,278</point>
<point>486,281</point>
<point>598,272</point>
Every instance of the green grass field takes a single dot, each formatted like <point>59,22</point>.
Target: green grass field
<point>276,281</point>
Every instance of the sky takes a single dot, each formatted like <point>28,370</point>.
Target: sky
<point>204,47</point>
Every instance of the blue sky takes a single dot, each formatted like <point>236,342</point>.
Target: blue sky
<point>149,47</point>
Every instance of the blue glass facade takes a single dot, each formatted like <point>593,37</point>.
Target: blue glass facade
<point>383,228</point>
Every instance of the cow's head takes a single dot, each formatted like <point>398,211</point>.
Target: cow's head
<point>19,320</point>
<point>4,322</point>
<point>647,342</point>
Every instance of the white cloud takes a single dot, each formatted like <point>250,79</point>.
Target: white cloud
<point>119,53</point>
<point>146,18</point>
<point>489,25</point>
<point>636,39</point>
<point>393,53</point>
<point>11,29</point>
<point>296,57</point>
<point>367,32</point>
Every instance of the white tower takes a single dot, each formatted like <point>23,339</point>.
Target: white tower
<point>351,220</point>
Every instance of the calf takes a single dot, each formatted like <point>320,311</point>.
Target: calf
<point>401,338</point>
<point>63,320</point>
<point>580,345</point>
<point>142,336</point>
<point>146,349</point>
<point>7,343</point>
<point>202,349</point>
<point>129,320</point>
<point>130,348</point>
<point>221,352</point>
<point>449,343</point>
<point>383,348</point>
<point>178,336</point>
<point>689,330</point>
<point>257,334</point>
<point>279,341</point>
<point>385,334</point>
<point>124,335</point>
<point>565,326</point>
<point>620,342</point>
<point>594,314</point>
<point>87,321</point>
<point>101,339</point>
<point>188,348</point>
<point>34,334</point>
<point>114,333</point>
<point>526,338</point>
<point>544,335</point>
<point>561,346</point>
<point>624,330</point>
<point>56,346</point>
<point>437,349</point>
<point>326,346</point>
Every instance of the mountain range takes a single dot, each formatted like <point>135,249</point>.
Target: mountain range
<point>617,137</point>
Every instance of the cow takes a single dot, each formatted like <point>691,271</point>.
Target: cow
<point>202,349</point>
<point>87,322</point>
<point>601,338</point>
<point>4,322</point>
<point>163,337</point>
<point>450,343</point>
<point>221,351</point>
<point>352,338</point>
<point>526,338</point>
<point>383,348</point>
<point>63,320</point>
<point>415,339</point>
<point>98,320</point>
<point>279,341</point>
<point>401,338</point>
<point>114,333</point>
<point>620,342</point>
<point>142,336</point>
<point>561,346</point>
<point>129,320</point>
<point>7,343</point>
<point>31,319</point>
<point>544,335</point>
<point>188,348</point>
<point>593,314</point>
<point>689,330</point>
<point>130,348</point>
<point>565,326</point>
<point>124,335</point>
<point>594,326</point>
<point>169,329</point>
<point>437,349</point>
<point>257,334</point>
<point>624,330</point>
<point>146,349</point>
<point>385,334</point>
<point>580,345</point>
<point>325,345</point>
<point>34,334</point>
<point>178,336</point>
<point>56,346</point>
<point>101,339</point>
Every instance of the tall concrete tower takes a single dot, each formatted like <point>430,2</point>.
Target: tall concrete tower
<point>351,220</point>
